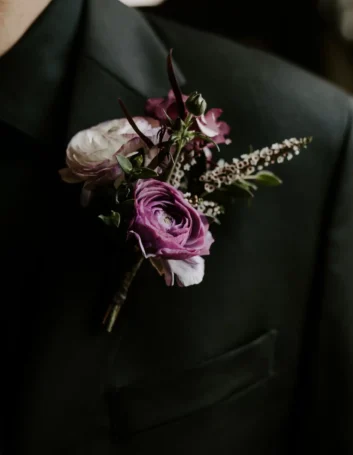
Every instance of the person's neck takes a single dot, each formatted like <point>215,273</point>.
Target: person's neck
<point>16,16</point>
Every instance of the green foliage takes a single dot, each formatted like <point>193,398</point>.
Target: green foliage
<point>124,163</point>
<point>111,220</point>
<point>143,173</point>
<point>267,178</point>
<point>247,186</point>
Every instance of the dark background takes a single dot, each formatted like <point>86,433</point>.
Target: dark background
<point>300,31</point>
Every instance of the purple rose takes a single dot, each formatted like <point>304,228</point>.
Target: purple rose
<point>207,124</point>
<point>170,232</point>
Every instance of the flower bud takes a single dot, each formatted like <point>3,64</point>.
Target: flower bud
<point>196,104</point>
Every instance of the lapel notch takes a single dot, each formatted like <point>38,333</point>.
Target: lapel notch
<point>119,47</point>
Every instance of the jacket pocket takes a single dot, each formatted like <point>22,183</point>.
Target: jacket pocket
<point>147,404</point>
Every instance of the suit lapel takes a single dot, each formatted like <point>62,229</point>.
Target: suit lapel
<point>120,56</point>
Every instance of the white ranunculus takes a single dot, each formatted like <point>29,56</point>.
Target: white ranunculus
<point>91,154</point>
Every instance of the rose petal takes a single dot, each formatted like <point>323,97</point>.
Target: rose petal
<point>91,153</point>
<point>130,148</point>
<point>186,233</point>
<point>68,176</point>
<point>187,272</point>
<point>158,107</point>
<point>138,238</point>
<point>208,242</point>
<point>206,129</point>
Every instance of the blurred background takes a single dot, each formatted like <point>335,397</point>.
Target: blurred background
<point>314,34</point>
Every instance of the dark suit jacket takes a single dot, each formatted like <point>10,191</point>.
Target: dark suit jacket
<point>258,359</point>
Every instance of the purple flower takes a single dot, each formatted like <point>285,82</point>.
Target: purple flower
<point>207,124</point>
<point>210,126</point>
<point>158,107</point>
<point>91,154</point>
<point>170,232</point>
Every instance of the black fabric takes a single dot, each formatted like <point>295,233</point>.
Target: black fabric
<point>34,76</point>
<point>146,404</point>
<point>281,266</point>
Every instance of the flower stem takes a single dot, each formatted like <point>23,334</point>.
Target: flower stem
<point>175,161</point>
<point>120,297</point>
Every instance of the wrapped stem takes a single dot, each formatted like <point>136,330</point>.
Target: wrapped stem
<point>121,296</point>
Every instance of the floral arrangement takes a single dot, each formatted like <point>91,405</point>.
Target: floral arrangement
<point>161,183</point>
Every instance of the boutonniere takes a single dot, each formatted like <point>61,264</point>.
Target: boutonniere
<point>162,183</point>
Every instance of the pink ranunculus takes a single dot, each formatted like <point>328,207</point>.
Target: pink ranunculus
<point>170,232</point>
<point>91,153</point>
<point>208,124</point>
<point>158,107</point>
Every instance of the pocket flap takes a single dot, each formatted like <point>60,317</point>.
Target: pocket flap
<point>147,404</point>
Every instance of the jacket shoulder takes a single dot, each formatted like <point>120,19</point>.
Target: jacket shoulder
<point>272,94</point>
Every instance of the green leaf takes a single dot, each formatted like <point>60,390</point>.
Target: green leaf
<point>267,178</point>
<point>124,163</point>
<point>118,182</point>
<point>137,160</point>
<point>246,186</point>
<point>115,218</point>
<point>144,173</point>
<point>111,220</point>
<point>208,139</point>
<point>168,118</point>
<point>105,219</point>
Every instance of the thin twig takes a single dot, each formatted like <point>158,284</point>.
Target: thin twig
<point>175,86</point>
<point>145,139</point>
